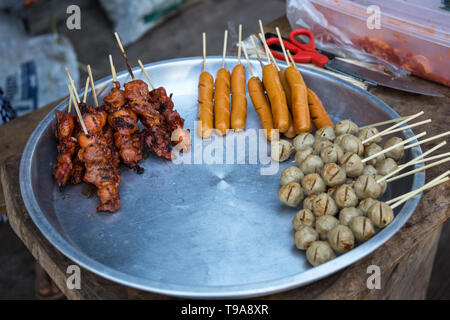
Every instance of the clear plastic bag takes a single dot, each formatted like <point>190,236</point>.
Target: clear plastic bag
<point>302,14</point>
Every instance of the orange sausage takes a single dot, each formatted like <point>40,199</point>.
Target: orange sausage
<point>262,106</point>
<point>277,98</point>
<point>238,98</point>
<point>300,108</point>
<point>286,88</point>
<point>319,115</point>
<point>222,101</point>
<point>205,104</point>
<point>290,133</point>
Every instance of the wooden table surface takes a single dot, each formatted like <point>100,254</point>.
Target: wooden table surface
<point>405,260</point>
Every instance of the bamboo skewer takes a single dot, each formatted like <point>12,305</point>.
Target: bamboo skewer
<point>282,46</point>
<point>394,146</point>
<point>73,86</point>
<point>204,50</point>
<point>70,102</point>
<point>224,53</point>
<point>427,140</point>
<point>124,55</point>
<point>377,124</point>
<point>80,117</point>
<point>393,127</point>
<point>292,59</point>
<point>91,80</point>
<point>256,52</point>
<point>146,74</point>
<point>412,162</point>
<point>438,156</point>
<point>270,57</point>
<point>413,125</point>
<point>248,60</point>
<point>409,193</point>
<point>86,88</point>
<point>239,43</point>
<point>431,165</point>
<point>415,192</point>
<point>113,69</point>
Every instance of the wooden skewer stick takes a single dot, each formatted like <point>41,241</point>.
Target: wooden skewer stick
<point>394,146</point>
<point>265,49</point>
<point>412,162</point>
<point>407,194</point>
<point>146,74</point>
<point>73,86</point>
<point>393,127</point>
<point>204,51</point>
<point>70,101</point>
<point>124,55</point>
<point>239,43</point>
<point>413,125</point>
<point>438,156</point>
<point>113,69</point>
<point>384,122</point>
<point>282,46</point>
<point>80,117</point>
<point>415,192</point>
<point>269,54</point>
<point>431,165</point>
<point>224,53</point>
<point>86,87</point>
<point>292,59</point>
<point>256,52</point>
<point>428,139</point>
<point>91,80</point>
<point>248,60</point>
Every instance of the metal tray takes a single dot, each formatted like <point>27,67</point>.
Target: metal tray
<point>196,230</point>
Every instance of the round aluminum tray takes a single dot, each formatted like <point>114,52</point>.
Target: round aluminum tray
<point>197,230</point>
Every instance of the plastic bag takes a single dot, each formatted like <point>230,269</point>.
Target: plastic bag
<point>302,14</point>
<point>32,70</point>
<point>133,18</point>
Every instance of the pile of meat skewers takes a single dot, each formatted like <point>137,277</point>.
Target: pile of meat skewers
<point>92,145</point>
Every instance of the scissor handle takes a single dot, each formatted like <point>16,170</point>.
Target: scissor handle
<point>316,57</point>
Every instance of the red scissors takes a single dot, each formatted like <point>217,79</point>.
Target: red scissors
<point>301,53</point>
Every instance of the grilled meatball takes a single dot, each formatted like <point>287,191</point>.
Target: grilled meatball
<point>326,132</point>
<point>367,187</point>
<point>362,228</point>
<point>350,143</point>
<point>369,170</point>
<point>324,224</point>
<point>365,205</point>
<point>308,202</point>
<point>303,140</point>
<point>303,217</point>
<point>346,126</point>
<point>324,204</point>
<point>366,133</point>
<point>372,149</point>
<point>304,237</point>
<point>381,214</point>
<point>312,164</point>
<point>291,174</point>
<point>333,175</point>
<point>332,153</point>
<point>341,239</point>
<point>345,196</point>
<point>301,155</point>
<point>313,184</point>
<point>347,214</point>
<point>291,194</point>
<point>321,143</point>
<point>352,164</point>
<point>319,252</point>
<point>398,152</point>
<point>386,166</point>
<point>281,150</point>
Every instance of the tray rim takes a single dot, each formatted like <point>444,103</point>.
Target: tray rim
<point>254,289</point>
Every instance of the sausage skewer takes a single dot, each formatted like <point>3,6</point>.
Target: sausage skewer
<point>276,94</point>
<point>238,95</point>
<point>205,99</point>
<point>222,95</point>
<point>256,52</point>
<point>259,99</point>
